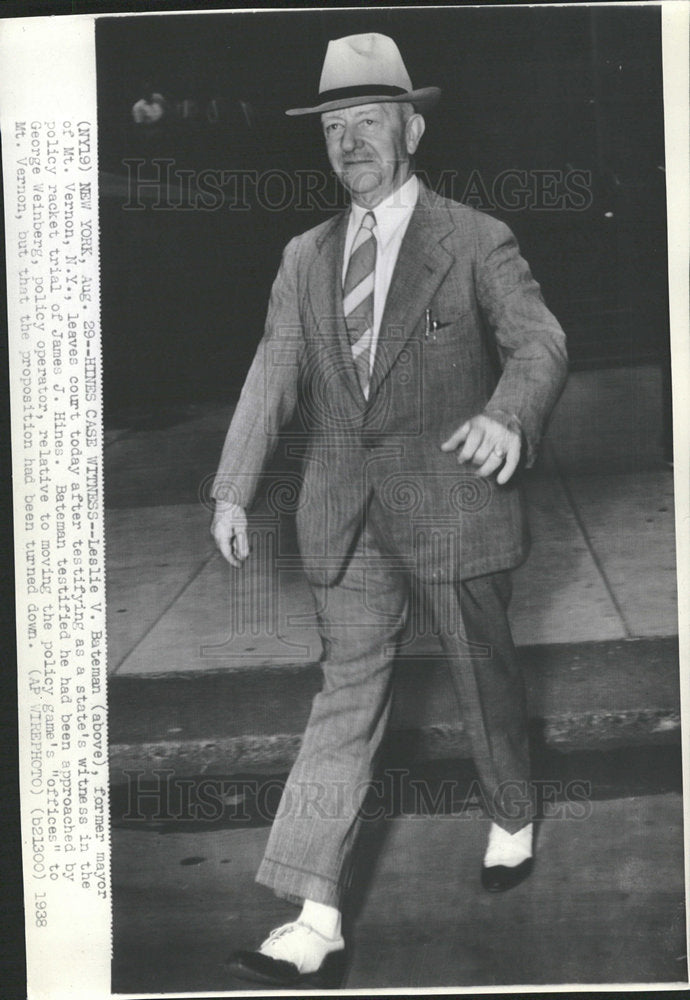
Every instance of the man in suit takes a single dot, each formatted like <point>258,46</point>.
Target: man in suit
<point>409,337</point>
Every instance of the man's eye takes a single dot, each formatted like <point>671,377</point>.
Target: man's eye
<point>332,127</point>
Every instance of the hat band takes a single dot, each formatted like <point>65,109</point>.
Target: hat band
<point>369,89</point>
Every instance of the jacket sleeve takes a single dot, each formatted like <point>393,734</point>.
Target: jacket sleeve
<point>269,394</point>
<point>530,341</point>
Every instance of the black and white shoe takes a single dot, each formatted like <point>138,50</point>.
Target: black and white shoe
<point>293,955</point>
<point>508,860</point>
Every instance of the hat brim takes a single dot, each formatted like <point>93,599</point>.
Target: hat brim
<point>423,99</point>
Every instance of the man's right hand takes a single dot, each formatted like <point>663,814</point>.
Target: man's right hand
<point>229,529</point>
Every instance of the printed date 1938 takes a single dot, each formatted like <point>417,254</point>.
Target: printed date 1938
<point>40,909</point>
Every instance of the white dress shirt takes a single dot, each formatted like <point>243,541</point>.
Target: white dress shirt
<point>392,218</point>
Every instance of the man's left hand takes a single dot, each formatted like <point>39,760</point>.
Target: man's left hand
<point>487,444</point>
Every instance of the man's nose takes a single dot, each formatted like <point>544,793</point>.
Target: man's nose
<point>349,138</point>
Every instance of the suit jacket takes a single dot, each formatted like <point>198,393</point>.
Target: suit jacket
<point>496,350</point>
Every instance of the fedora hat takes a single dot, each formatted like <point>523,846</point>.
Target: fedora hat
<point>366,69</point>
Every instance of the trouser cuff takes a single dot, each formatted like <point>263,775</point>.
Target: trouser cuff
<point>296,885</point>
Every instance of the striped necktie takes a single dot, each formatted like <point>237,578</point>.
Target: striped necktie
<point>358,298</point>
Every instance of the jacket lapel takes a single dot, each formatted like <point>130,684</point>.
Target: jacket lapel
<point>422,264</point>
<point>324,284</point>
<point>421,267</point>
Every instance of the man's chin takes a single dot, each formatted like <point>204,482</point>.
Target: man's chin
<point>360,181</point>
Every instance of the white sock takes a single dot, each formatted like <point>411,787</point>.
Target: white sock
<point>324,919</point>
<point>508,849</point>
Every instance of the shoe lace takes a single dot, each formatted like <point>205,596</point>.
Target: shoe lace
<point>280,932</point>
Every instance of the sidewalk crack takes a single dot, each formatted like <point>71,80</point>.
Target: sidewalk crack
<point>197,572</point>
<point>629,634</point>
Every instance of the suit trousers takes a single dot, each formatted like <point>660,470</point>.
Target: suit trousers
<point>361,618</point>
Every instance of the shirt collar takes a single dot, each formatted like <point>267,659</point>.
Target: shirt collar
<point>391,212</point>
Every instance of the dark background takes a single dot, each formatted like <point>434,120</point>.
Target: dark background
<point>184,291</point>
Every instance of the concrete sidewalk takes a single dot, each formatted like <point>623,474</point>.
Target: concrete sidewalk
<point>594,607</point>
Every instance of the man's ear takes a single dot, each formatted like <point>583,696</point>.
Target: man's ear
<point>414,130</point>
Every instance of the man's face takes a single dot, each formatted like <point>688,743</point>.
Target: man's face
<point>369,147</point>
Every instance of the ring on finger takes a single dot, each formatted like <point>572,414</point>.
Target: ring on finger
<point>499,452</point>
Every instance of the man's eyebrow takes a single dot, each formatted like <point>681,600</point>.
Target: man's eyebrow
<point>365,111</point>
